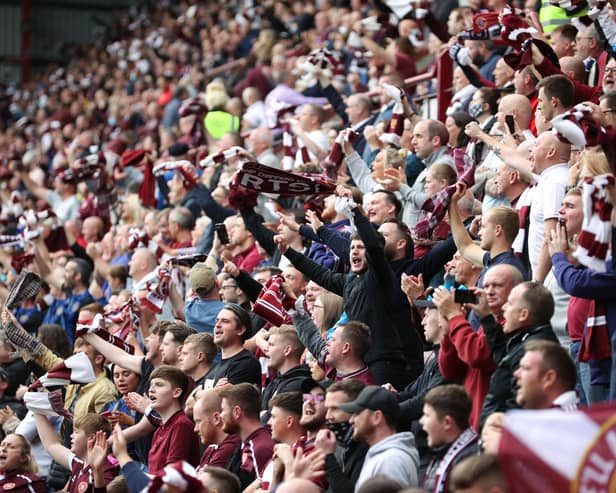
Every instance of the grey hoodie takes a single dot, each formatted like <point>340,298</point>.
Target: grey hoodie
<point>395,457</point>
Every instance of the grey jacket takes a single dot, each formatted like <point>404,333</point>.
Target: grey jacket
<point>394,457</point>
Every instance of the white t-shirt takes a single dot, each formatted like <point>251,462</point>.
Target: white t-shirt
<point>547,199</point>
<point>65,209</point>
<point>320,139</point>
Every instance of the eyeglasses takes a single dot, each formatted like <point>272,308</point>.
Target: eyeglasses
<point>316,398</point>
<point>610,70</point>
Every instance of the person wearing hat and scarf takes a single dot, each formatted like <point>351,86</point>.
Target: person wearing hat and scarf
<point>201,309</point>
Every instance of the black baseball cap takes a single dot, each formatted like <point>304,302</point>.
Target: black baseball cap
<point>374,398</point>
<point>310,383</point>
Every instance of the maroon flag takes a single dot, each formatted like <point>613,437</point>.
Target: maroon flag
<point>554,450</point>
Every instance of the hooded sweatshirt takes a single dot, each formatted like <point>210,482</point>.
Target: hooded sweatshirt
<point>394,457</point>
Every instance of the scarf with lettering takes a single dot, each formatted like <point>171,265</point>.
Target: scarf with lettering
<point>265,179</point>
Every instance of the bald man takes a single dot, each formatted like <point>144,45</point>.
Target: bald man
<point>573,68</point>
<point>140,265</point>
<point>208,425</point>
<point>549,159</point>
<point>92,229</point>
<point>261,142</point>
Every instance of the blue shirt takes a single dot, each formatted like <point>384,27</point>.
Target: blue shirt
<point>201,314</point>
<point>64,312</point>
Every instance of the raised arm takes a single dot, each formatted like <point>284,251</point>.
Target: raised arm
<point>471,252</point>
<point>49,439</point>
<point>315,272</point>
<point>115,354</point>
<point>308,332</point>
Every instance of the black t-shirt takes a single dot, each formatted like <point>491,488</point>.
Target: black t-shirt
<point>142,445</point>
<point>242,367</point>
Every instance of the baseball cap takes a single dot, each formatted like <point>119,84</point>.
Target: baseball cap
<point>308,384</point>
<point>428,303</point>
<point>374,398</point>
<point>202,277</point>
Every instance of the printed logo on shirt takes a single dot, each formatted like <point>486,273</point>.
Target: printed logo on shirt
<point>83,486</point>
<point>9,486</point>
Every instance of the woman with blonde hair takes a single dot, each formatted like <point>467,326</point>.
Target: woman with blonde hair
<point>18,466</point>
<point>326,311</point>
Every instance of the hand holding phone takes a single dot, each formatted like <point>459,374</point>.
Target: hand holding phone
<point>221,231</point>
<point>464,296</point>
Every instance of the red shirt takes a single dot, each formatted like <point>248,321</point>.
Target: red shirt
<point>577,316</point>
<point>218,454</point>
<point>21,482</point>
<point>248,259</point>
<point>175,440</point>
<point>465,355</point>
<point>82,480</point>
<point>257,451</point>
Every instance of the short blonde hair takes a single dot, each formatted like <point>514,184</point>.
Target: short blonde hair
<point>595,161</point>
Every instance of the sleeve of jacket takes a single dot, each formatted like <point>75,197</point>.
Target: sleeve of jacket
<point>247,284</point>
<point>472,347</point>
<point>375,250</point>
<point>475,78</point>
<point>584,282</point>
<point>264,236</point>
<point>495,336</point>
<point>360,173</point>
<point>306,232</point>
<point>338,242</point>
<point>216,212</point>
<point>412,196</point>
<point>432,262</point>
<point>322,276</point>
<point>582,92</point>
<point>309,335</point>
<point>411,407</point>
<point>449,363</point>
<point>337,480</point>
<point>136,479</point>
<point>336,101</point>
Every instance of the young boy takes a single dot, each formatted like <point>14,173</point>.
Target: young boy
<point>446,414</point>
<point>174,440</point>
<point>84,432</point>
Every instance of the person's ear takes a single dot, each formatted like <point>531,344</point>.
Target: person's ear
<point>177,393</point>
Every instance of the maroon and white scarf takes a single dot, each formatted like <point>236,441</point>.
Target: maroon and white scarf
<point>334,159</point>
<point>195,106</point>
<point>259,178</point>
<point>593,241</point>
<point>437,205</point>
<point>76,369</point>
<point>272,303</point>
<point>290,158</point>
<point>217,158</point>
<point>97,326</point>
<point>520,243</point>
<point>596,340</point>
<point>468,437</point>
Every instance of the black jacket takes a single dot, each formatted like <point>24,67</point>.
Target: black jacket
<point>507,353</point>
<point>343,479</point>
<point>289,381</point>
<point>411,406</point>
<point>367,297</point>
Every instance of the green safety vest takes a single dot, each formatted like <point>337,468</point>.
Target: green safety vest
<point>552,16</point>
